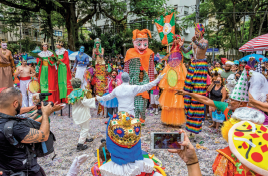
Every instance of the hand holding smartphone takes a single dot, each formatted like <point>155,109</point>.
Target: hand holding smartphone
<point>160,140</point>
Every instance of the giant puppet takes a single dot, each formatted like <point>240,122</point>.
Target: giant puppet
<point>64,72</point>
<point>173,106</point>
<point>48,75</point>
<point>196,80</point>
<point>7,66</point>
<point>101,82</point>
<point>140,58</point>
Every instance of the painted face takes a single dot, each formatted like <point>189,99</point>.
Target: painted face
<point>140,45</point>
<point>97,44</point>
<point>4,45</point>
<point>82,49</point>
<point>44,47</point>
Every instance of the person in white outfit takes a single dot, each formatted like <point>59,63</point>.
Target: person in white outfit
<point>126,93</point>
<point>81,112</point>
<point>25,73</point>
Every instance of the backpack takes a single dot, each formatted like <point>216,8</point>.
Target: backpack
<point>32,150</point>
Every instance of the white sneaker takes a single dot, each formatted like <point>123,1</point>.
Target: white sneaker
<point>152,111</point>
<point>156,112</point>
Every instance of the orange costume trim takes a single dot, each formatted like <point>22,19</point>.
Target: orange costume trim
<point>224,165</point>
<point>144,58</point>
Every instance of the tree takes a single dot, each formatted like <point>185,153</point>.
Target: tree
<point>77,12</point>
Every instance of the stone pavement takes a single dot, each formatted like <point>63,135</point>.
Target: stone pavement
<point>67,134</point>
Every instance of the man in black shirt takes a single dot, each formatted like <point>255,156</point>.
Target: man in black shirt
<point>12,158</point>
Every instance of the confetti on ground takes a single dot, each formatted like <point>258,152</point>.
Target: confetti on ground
<point>67,134</point>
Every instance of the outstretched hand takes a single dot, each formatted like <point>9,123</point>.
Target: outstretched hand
<point>188,154</point>
<point>161,76</point>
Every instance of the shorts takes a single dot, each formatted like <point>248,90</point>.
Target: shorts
<point>154,99</point>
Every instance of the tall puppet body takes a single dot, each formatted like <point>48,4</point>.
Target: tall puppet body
<point>64,72</point>
<point>173,106</point>
<point>97,54</point>
<point>137,57</point>
<point>6,66</point>
<point>48,75</point>
<point>196,82</point>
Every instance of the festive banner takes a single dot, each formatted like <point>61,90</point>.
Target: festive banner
<point>166,28</point>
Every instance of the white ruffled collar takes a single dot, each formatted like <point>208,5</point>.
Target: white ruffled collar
<point>131,169</point>
<point>61,51</point>
<point>45,53</point>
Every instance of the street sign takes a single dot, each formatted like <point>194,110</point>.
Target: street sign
<point>210,50</point>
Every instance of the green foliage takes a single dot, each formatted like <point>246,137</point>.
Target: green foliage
<point>13,47</point>
<point>27,45</point>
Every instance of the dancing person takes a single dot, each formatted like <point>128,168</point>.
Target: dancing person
<point>7,66</point>
<point>80,64</point>
<point>126,93</point>
<point>196,80</point>
<point>25,74</point>
<point>81,112</point>
<point>64,72</point>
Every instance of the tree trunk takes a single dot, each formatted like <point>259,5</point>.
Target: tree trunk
<point>263,20</point>
<point>72,27</point>
<point>51,31</point>
<point>234,23</point>
<point>242,34</point>
<point>252,20</point>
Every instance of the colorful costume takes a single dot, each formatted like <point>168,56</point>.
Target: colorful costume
<point>48,75</point>
<point>139,56</point>
<point>6,66</point>
<point>64,74</point>
<point>100,71</point>
<point>81,62</point>
<point>124,144</point>
<point>81,111</point>
<point>173,106</point>
<point>140,101</point>
<point>196,82</point>
<point>111,105</point>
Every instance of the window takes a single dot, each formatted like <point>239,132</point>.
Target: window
<point>186,10</point>
<point>58,33</point>
<point>27,31</point>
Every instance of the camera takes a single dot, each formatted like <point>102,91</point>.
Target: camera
<point>43,96</point>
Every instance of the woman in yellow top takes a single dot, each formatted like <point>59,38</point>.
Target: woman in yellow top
<point>173,106</point>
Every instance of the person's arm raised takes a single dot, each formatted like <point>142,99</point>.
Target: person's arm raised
<point>41,135</point>
<point>199,98</point>
<point>258,104</point>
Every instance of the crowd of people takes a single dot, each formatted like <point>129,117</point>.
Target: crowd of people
<point>231,95</point>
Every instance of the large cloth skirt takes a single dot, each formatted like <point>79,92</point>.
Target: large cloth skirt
<point>6,77</point>
<point>172,105</point>
<point>80,74</point>
<point>113,103</point>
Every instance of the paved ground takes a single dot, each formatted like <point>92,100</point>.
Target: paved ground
<point>67,134</point>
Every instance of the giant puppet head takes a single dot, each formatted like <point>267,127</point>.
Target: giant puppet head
<point>140,40</point>
<point>199,30</point>
<point>4,44</point>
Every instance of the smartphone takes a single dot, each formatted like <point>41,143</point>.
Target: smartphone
<point>160,140</point>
